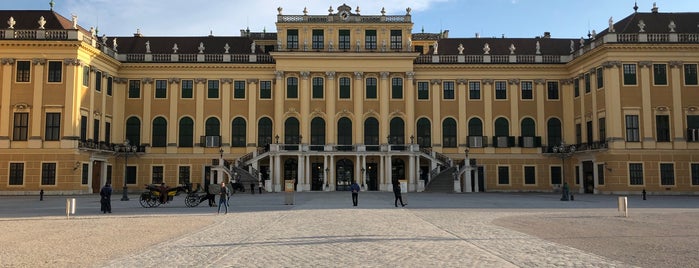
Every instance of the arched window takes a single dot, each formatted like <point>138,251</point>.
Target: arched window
<point>449,133</point>
<point>317,134</point>
<point>371,134</point>
<point>291,131</point>
<point>133,130</point>
<point>159,138</point>
<point>554,132</point>
<point>397,131</point>
<point>344,134</point>
<point>238,131</point>
<point>475,133</point>
<point>528,127</point>
<point>264,132</point>
<point>213,127</point>
<point>186,137</point>
<point>423,133</point>
<point>502,127</point>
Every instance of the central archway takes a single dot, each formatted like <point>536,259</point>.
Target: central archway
<point>344,172</point>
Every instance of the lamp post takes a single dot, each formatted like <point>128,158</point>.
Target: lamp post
<point>563,151</point>
<point>327,171</point>
<point>126,149</point>
<point>363,174</point>
<point>220,152</point>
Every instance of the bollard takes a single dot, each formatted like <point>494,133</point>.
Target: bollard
<point>623,206</point>
<point>41,195</point>
<point>70,207</point>
<point>572,197</point>
<point>644,194</point>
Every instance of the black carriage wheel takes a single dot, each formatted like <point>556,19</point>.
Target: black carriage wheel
<point>191,201</point>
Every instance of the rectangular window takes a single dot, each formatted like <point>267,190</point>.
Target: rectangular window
<point>134,89</point>
<point>474,90</point>
<point>110,85</point>
<point>588,129</point>
<point>690,75</point>
<point>157,175</point>
<point>397,88</point>
<point>85,173</point>
<point>695,174</point>
<point>635,173</point>
<point>98,81</point>
<point>212,92</point>
<point>318,39</point>
<point>20,128</point>
<point>345,88</point>
<point>23,71</point>
<point>503,175</point>
<point>131,173</point>
<point>187,91</point>
<point>292,39</point>
<point>48,173</point>
<point>500,90</point>
<point>343,40</point>
<point>56,71</point>
<point>552,90</point>
<point>423,90</point>
<point>317,88</point>
<point>86,76</point>
<point>239,89</point>
<point>588,83</point>
<point>184,175</point>
<point>632,128</point>
<point>265,90</point>
<point>96,130</point>
<point>83,128</point>
<point>578,133</point>
<point>370,39</point>
<point>108,132</point>
<point>448,89</point>
<point>529,175</point>
<point>556,175</point>
<point>629,74</point>
<point>371,88</point>
<point>16,174</point>
<point>396,39</point>
<point>600,174</point>
<point>292,88</point>
<point>577,174</point>
<point>527,90</point>
<point>600,78</point>
<point>109,174</point>
<point>660,74</point>
<point>160,89</point>
<point>52,131</point>
<point>576,87</point>
<point>602,124</point>
<point>662,128</point>
<point>667,174</point>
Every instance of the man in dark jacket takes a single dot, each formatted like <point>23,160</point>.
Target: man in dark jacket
<point>396,192</point>
<point>106,198</point>
<point>355,192</point>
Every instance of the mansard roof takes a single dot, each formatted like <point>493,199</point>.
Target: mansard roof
<point>655,22</point>
<point>501,46</point>
<point>185,44</point>
<point>29,19</point>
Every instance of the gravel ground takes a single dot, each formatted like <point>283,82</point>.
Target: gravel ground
<point>87,241</point>
<point>651,238</point>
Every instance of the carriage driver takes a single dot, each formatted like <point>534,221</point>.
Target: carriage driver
<point>163,193</point>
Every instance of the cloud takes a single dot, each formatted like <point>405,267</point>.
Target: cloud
<point>198,18</point>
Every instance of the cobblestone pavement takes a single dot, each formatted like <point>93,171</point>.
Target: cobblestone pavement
<point>324,230</point>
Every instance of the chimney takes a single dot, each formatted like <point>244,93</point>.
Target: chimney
<point>137,33</point>
<point>547,34</point>
<point>478,35</point>
<point>654,9</point>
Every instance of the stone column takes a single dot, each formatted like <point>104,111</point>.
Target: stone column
<point>677,118</point>
<point>330,101</point>
<point>358,108</point>
<point>174,122</point>
<point>647,119</point>
<point>435,90</point>
<point>35,137</point>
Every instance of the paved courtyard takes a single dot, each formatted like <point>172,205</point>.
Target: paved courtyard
<point>324,230</point>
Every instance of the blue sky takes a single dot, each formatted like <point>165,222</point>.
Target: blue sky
<point>463,18</point>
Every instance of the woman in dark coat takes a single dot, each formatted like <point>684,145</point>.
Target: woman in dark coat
<point>396,192</point>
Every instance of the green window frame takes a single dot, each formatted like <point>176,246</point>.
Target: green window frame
<point>213,89</point>
<point>371,92</point>
<point>345,85</point>
<point>423,90</point>
<point>629,74</point>
<point>24,70</point>
<point>660,74</point>
<point>397,88</point>
<point>134,89</point>
<point>292,88</point>
<point>48,173</point>
<point>265,90</point>
<point>318,87</point>
<point>239,89</point>
<point>160,89</point>
<point>187,89</point>
<point>690,75</point>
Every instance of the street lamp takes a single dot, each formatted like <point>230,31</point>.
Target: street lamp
<point>327,171</point>
<point>563,151</point>
<point>126,149</point>
<point>363,176</point>
<point>220,152</point>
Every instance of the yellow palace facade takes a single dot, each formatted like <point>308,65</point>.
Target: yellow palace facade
<point>331,98</point>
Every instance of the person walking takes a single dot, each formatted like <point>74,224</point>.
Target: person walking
<point>223,198</point>
<point>396,192</point>
<point>106,198</point>
<point>355,192</point>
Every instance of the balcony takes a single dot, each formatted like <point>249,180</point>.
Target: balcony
<point>503,141</point>
<point>477,142</point>
<point>529,142</point>
<point>210,141</point>
<point>90,145</point>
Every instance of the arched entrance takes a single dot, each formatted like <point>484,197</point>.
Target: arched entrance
<point>291,171</point>
<point>344,172</point>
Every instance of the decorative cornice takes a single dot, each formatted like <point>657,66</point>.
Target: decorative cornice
<point>173,80</point>
<point>21,106</point>
<point>39,61</point>
<point>410,75</point>
<point>147,81</point>
<point>120,80</point>
<point>253,81</point>
<point>358,75</point>
<point>305,75</point>
<point>676,64</point>
<point>592,70</point>
<point>645,64</point>
<point>513,81</point>
<point>539,81</point>
<point>384,75</point>
<point>487,81</point>
<point>279,74</point>
<point>610,64</point>
<point>461,81</point>
<point>435,81</point>
<point>93,69</point>
<point>7,61</point>
<point>226,80</point>
<point>566,81</point>
<point>200,80</point>
<point>74,62</point>
<point>330,75</point>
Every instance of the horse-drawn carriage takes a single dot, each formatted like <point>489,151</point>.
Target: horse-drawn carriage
<point>160,194</point>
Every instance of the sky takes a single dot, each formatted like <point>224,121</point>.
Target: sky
<point>463,18</point>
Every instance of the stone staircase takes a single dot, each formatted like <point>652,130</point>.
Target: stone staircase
<point>443,182</point>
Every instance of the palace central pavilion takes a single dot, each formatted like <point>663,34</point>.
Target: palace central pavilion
<point>342,96</point>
